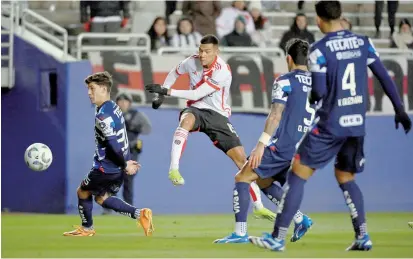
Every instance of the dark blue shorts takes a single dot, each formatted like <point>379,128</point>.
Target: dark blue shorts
<point>99,183</point>
<point>318,148</point>
<point>273,166</point>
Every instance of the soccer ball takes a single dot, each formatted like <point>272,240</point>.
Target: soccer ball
<point>38,157</point>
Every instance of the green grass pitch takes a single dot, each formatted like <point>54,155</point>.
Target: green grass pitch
<point>37,235</point>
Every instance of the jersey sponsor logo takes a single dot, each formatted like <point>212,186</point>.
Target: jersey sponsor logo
<point>304,79</point>
<point>236,205</point>
<point>213,81</point>
<point>344,44</point>
<point>348,54</point>
<point>351,120</point>
<point>353,210</point>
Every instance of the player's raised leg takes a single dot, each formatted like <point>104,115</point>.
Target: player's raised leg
<point>143,216</point>
<point>237,154</point>
<point>186,124</point>
<point>85,207</point>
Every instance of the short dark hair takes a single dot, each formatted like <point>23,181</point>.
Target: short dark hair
<point>100,78</point>
<point>298,50</point>
<point>210,39</point>
<point>328,10</point>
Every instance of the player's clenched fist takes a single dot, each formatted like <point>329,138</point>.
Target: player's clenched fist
<point>132,167</point>
<point>402,118</point>
<point>156,88</point>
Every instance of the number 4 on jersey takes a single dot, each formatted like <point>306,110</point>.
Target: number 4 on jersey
<point>349,79</point>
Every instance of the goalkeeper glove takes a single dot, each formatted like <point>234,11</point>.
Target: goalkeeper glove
<point>157,101</point>
<point>156,88</point>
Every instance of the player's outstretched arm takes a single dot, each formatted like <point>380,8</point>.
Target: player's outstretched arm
<point>271,124</point>
<point>202,91</point>
<point>378,69</point>
<point>193,95</point>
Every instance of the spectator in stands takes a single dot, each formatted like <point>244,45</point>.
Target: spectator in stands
<point>392,7</point>
<point>203,14</point>
<point>262,34</point>
<point>226,21</point>
<point>346,24</point>
<point>186,36</point>
<point>270,5</point>
<point>104,16</point>
<point>404,38</point>
<point>158,33</point>
<point>239,37</point>
<point>300,6</point>
<point>297,30</point>
<point>170,7</point>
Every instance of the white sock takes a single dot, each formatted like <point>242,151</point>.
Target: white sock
<point>241,228</point>
<point>178,144</point>
<point>255,194</point>
<point>298,217</point>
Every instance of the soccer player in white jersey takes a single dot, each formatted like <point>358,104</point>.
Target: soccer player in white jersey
<point>207,111</point>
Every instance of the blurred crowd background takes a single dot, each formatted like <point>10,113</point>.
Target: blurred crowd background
<point>236,23</point>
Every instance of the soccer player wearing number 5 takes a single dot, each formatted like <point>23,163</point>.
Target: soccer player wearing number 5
<point>338,63</point>
<point>110,162</point>
<point>207,111</point>
<point>271,158</point>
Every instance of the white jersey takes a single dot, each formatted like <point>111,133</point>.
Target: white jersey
<point>218,76</point>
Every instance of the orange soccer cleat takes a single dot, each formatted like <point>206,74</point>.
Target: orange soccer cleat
<point>80,232</point>
<point>145,221</point>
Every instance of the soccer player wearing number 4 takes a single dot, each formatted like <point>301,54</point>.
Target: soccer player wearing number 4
<point>270,160</point>
<point>111,161</point>
<point>338,63</point>
<point>207,111</point>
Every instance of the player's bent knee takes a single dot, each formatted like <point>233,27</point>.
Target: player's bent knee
<point>82,194</point>
<point>301,170</point>
<point>187,121</point>
<point>100,199</point>
<point>264,183</point>
<point>343,176</point>
<point>246,175</point>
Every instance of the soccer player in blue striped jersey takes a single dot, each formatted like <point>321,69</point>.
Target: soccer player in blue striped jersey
<point>291,114</point>
<point>110,162</point>
<point>338,64</point>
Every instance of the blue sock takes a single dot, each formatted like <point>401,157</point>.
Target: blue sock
<point>289,205</point>
<point>85,207</point>
<point>121,207</point>
<point>354,201</point>
<point>274,193</point>
<point>241,202</point>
